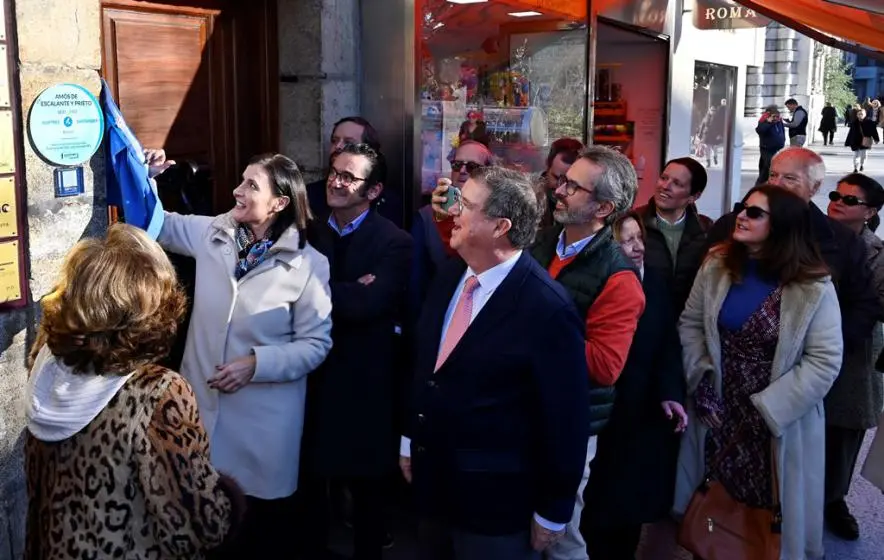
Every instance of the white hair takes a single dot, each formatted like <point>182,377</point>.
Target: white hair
<point>816,167</point>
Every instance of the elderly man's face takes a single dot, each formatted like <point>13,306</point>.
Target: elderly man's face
<point>791,171</point>
<point>473,229</point>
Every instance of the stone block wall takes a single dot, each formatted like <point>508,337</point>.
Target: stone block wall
<point>319,76</point>
<point>58,41</point>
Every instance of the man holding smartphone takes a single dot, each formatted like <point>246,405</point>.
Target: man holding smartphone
<point>771,139</point>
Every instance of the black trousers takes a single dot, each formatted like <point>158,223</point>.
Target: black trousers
<point>842,450</point>
<point>612,543</point>
<point>828,136</point>
<point>440,541</point>
<point>368,515</point>
<point>265,532</point>
<point>764,165</point>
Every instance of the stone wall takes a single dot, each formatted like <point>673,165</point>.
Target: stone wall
<point>319,76</point>
<point>58,41</point>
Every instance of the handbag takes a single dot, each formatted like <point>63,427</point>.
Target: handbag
<point>867,142</point>
<point>717,527</point>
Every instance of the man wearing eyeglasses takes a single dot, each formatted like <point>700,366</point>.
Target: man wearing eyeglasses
<point>581,254</point>
<point>355,130</point>
<point>430,252</point>
<point>349,428</point>
<point>498,423</point>
<point>802,171</point>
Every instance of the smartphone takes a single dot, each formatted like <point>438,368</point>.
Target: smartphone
<point>452,195</point>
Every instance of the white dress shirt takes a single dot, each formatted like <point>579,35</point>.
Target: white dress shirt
<point>489,281</point>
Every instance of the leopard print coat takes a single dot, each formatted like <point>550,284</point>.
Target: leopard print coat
<point>134,484</point>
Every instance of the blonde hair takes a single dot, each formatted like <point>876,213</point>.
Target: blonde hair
<point>116,307</point>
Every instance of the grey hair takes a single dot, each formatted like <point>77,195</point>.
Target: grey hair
<point>816,167</point>
<point>511,196</point>
<point>617,184</point>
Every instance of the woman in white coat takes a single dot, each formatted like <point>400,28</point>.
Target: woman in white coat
<point>761,335</point>
<point>261,322</point>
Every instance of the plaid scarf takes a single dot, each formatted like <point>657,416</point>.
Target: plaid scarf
<point>252,251</point>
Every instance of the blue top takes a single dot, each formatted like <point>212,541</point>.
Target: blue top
<point>128,184</point>
<point>745,298</point>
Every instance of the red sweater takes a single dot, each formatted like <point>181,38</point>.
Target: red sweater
<point>610,322</point>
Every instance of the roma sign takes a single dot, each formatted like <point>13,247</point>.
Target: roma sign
<point>726,14</point>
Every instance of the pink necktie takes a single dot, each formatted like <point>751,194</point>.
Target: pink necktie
<point>460,320</point>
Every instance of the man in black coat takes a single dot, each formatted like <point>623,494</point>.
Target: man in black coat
<point>349,435</point>
<point>499,420</point>
<point>356,130</point>
<point>675,241</point>
<point>803,171</point>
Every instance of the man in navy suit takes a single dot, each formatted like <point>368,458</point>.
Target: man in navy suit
<point>499,416</point>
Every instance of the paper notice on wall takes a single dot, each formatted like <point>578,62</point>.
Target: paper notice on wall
<point>10,283</point>
<point>649,123</point>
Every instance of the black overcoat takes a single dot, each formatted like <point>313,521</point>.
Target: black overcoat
<point>349,426</point>
<point>632,478</point>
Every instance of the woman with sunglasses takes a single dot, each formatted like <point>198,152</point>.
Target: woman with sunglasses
<point>762,345</point>
<point>856,204</point>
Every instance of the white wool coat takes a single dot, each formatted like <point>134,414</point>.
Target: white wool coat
<point>806,363</point>
<point>281,310</point>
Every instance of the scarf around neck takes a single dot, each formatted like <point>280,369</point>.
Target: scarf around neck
<point>252,251</point>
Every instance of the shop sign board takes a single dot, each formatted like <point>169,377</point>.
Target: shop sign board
<point>66,125</point>
<point>647,14</point>
<point>8,210</point>
<point>10,282</point>
<point>726,14</point>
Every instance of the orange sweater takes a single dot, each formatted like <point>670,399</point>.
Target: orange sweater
<point>610,322</point>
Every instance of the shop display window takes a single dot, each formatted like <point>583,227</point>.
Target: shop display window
<point>508,73</point>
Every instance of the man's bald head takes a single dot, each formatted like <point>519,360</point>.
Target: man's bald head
<point>798,169</point>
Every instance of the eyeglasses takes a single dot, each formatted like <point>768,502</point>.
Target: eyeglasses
<point>752,212</point>
<point>571,187</point>
<point>847,199</point>
<point>345,177</point>
<point>471,166</point>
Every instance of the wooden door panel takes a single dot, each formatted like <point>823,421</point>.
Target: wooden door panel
<point>158,63</point>
<point>192,75</point>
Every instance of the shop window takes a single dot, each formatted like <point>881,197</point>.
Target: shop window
<point>712,125</point>
<point>510,74</point>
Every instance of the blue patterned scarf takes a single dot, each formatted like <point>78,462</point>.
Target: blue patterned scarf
<point>252,251</point>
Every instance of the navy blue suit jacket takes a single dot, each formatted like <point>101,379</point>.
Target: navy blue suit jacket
<point>499,432</point>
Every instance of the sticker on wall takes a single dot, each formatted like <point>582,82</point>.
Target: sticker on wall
<point>65,125</point>
<point>10,283</point>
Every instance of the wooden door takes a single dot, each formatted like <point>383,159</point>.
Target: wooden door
<point>198,78</point>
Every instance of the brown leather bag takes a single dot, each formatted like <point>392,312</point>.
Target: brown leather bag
<point>717,527</point>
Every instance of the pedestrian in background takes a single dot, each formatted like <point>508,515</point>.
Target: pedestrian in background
<point>828,124</point>
<point>116,457</point>
<point>771,139</point>
<point>762,346</point>
<point>863,134</point>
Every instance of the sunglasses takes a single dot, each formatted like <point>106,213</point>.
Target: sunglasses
<point>752,212</point>
<point>847,199</point>
<point>471,166</point>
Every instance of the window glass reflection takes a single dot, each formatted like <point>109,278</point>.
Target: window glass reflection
<point>514,84</point>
